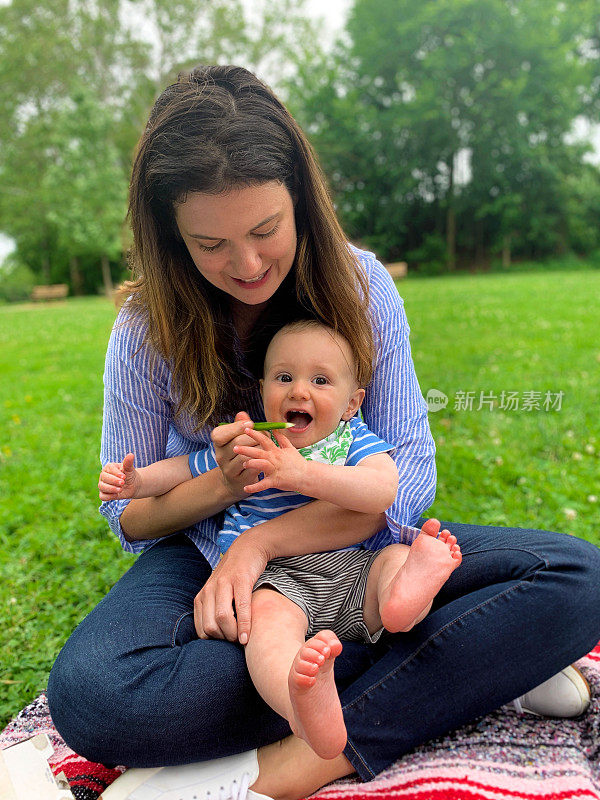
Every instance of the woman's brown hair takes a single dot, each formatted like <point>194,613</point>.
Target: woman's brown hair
<point>219,128</point>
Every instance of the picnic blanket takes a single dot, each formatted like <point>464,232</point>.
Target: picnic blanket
<point>502,755</point>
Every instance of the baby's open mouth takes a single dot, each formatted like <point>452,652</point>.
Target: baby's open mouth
<point>299,419</point>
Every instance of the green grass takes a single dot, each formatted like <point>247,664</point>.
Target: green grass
<point>57,558</point>
<point>490,333</point>
<point>513,333</point>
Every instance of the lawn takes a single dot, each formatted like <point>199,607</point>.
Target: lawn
<point>497,464</point>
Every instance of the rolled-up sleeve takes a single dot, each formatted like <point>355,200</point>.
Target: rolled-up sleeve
<point>137,410</point>
<point>394,407</point>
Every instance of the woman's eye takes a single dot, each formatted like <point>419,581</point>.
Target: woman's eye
<point>206,249</point>
<point>272,232</point>
<point>321,380</point>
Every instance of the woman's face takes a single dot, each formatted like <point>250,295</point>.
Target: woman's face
<point>242,241</point>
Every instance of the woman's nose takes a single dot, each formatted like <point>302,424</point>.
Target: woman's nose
<point>247,261</point>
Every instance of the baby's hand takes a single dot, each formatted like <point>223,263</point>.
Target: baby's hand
<point>283,466</point>
<point>119,481</point>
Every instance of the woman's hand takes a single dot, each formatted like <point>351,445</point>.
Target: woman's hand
<point>225,438</point>
<point>230,583</point>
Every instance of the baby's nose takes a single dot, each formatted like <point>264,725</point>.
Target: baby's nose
<point>299,388</point>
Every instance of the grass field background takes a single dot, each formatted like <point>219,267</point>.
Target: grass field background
<point>527,332</point>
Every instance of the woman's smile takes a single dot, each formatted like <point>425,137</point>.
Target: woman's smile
<point>253,283</point>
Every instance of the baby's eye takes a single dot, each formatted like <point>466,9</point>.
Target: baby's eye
<point>284,377</point>
<point>321,380</point>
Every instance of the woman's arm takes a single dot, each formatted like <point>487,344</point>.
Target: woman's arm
<point>314,528</point>
<point>201,497</point>
<point>137,418</point>
<point>137,411</point>
<point>394,408</point>
<point>184,505</point>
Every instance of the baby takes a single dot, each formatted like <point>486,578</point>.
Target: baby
<point>302,605</point>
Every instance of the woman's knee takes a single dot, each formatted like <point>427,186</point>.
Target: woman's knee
<point>82,706</point>
<point>131,707</point>
<point>578,562</point>
<point>573,573</point>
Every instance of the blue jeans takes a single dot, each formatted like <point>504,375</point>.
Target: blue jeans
<point>134,685</point>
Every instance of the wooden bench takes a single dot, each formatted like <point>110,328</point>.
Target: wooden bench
<point>54,291</point>
<point>398,269</point>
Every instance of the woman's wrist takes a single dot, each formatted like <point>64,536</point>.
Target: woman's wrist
<point>230,493</point>
<point>259,541</point>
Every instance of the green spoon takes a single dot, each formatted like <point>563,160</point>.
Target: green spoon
<point>267,426</point>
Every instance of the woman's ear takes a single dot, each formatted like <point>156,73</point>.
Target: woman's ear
<point>354,403</point>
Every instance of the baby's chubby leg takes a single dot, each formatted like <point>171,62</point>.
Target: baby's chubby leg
<point>404,580</point>
<point>278,631</point>
<point>294,676</point>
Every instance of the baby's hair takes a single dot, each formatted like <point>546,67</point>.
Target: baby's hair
<point>362,376</point>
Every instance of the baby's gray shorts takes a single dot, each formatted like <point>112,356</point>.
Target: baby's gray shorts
<point>329,587</point>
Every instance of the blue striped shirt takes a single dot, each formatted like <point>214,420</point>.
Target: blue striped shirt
<point>139,418</point>
<point>262,506</point>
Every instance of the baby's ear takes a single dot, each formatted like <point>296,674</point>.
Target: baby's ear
<point>261,384</point>
<point>354,403</point>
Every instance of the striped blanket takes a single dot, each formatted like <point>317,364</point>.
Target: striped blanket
<point>496,757</point>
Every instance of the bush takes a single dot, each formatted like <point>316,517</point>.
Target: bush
<point>431,257</point>
<point>16,281</point>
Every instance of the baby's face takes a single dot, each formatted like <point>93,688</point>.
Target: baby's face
<point>309,380</point>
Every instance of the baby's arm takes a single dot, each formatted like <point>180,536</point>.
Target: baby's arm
<point>369,487</point>
<point>123,481</point>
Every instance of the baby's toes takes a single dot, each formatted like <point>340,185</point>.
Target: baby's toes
<point>320,645</point>
<point>431,527</point>
<point>312,655</point>
<point>445,536</point>
<point>330,640</point>
<point>306,666</point>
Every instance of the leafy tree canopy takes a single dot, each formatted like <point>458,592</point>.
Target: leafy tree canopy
<point>77,80</point>
<point>421,88</point>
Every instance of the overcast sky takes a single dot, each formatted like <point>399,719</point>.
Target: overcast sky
<point>334,12</point>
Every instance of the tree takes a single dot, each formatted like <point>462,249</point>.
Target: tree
<point>77,80</point>
<point>85,188</point>
<point>47,52</point>
<point>421,86</point>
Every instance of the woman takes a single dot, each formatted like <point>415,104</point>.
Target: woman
<point>234,234</point>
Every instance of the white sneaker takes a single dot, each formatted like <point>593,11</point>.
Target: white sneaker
<point>220,779</point>
<point>564,695</point>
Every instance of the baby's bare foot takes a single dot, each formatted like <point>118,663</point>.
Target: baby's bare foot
<point>313,694</point>
<point>431,561</point>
